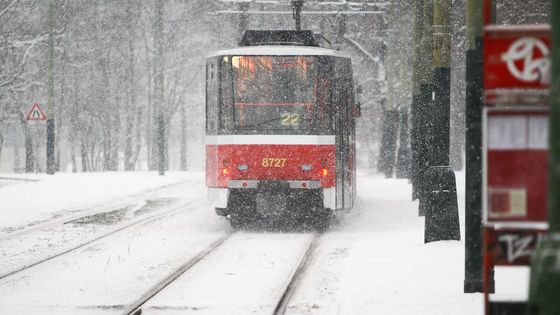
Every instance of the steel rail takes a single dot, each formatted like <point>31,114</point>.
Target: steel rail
<point>154,217</point>
<point>304,263</point>
<point>17,179</point>
<point>136,307</point>
<point>136,197</point>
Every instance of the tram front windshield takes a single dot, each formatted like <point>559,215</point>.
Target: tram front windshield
<point>274,93</point>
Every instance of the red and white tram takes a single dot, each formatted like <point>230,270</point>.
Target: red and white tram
<point>280,130</point>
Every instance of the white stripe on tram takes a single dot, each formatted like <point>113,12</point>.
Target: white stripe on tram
<point>270,139</point>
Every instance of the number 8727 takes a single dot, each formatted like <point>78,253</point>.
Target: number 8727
<point>273,162</point>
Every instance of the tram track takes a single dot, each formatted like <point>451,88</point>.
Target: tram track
<point>142,220</point>
<point>135,308</point>
<point>133,199</point>
<point>297,276</point>
<point>17,179</point>
<point>288,289</point>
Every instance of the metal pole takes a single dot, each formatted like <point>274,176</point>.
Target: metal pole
<point>243,18</point>
<point>554,139</point>
<point>160,118</point>
<point>416,107</point>
<point>439,196</point>
<point>403,153</point>
<point>473,150</point>
<point>297,5</point>
<point>441,67</point>
<point>425,101</point>
<point>488,12</point>
<point>50,101</point>
<point>390,114</point>
<point>545,265</point>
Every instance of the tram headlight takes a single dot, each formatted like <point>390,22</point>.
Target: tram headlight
<point>225,171</point>
<point>325,172</point>
<point>242,167</point>
<point>306,167</point>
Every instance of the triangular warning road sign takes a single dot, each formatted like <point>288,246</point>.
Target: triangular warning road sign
<point>36,113</point>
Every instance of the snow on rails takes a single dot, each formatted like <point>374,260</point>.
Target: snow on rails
<point>204,279</point>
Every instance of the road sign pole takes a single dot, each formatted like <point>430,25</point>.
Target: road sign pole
<point>545,267</point>
<point>50,104</point>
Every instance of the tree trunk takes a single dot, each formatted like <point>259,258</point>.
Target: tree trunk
<point>1,143</point>
<point>73,157</point>
<point>114,131</point>
<point>159,87</point>
<point>83,151</point>
<point>29,154</point>
<point>183,137</point>
<point>129,160</point>
<point>16,158</point>
<point>138,148</point>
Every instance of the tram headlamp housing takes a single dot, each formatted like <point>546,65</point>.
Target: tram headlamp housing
<point>306,167</point>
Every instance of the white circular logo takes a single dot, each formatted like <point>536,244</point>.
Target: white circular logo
<point>532,69</point>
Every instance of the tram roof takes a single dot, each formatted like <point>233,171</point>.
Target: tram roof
<point>278,51</point>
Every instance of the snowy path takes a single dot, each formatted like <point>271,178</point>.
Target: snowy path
<point>376,262</point>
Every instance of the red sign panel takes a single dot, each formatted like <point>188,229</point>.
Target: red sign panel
<point>516,165</point>
<point>516,57</point>
<point>512,247</point>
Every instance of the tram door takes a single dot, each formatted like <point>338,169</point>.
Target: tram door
<point>344,125</point>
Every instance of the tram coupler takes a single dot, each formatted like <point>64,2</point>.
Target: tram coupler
<point>221,211</point>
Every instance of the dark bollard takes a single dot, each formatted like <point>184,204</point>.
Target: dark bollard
<point>388,148</point>
<point>442,212</point>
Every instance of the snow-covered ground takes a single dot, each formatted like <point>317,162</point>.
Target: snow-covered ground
<point>372,261</point>
<point>28,203</point>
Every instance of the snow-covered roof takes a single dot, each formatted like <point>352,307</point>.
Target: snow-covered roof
<point>278,51</point>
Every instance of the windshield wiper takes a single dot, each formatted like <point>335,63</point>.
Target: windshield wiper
<point>261,123</point>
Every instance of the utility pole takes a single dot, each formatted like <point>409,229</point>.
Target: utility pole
<point>441,67</point>
<point>390,123</point>
<point>159,87</point>
<point>415,106</point>
<point>422,76</point>
<point>243,17</point>
<point>296,6</point>
<point>473,150</point>
<point>403,152</point>
<point>545,265</point>
<point>439,195</point>
<point>50,101</point>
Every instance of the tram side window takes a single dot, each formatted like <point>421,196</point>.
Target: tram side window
<point>211,96</point>
<point>226,95</point>
<point>326,85</point>
<point>343,96</point>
